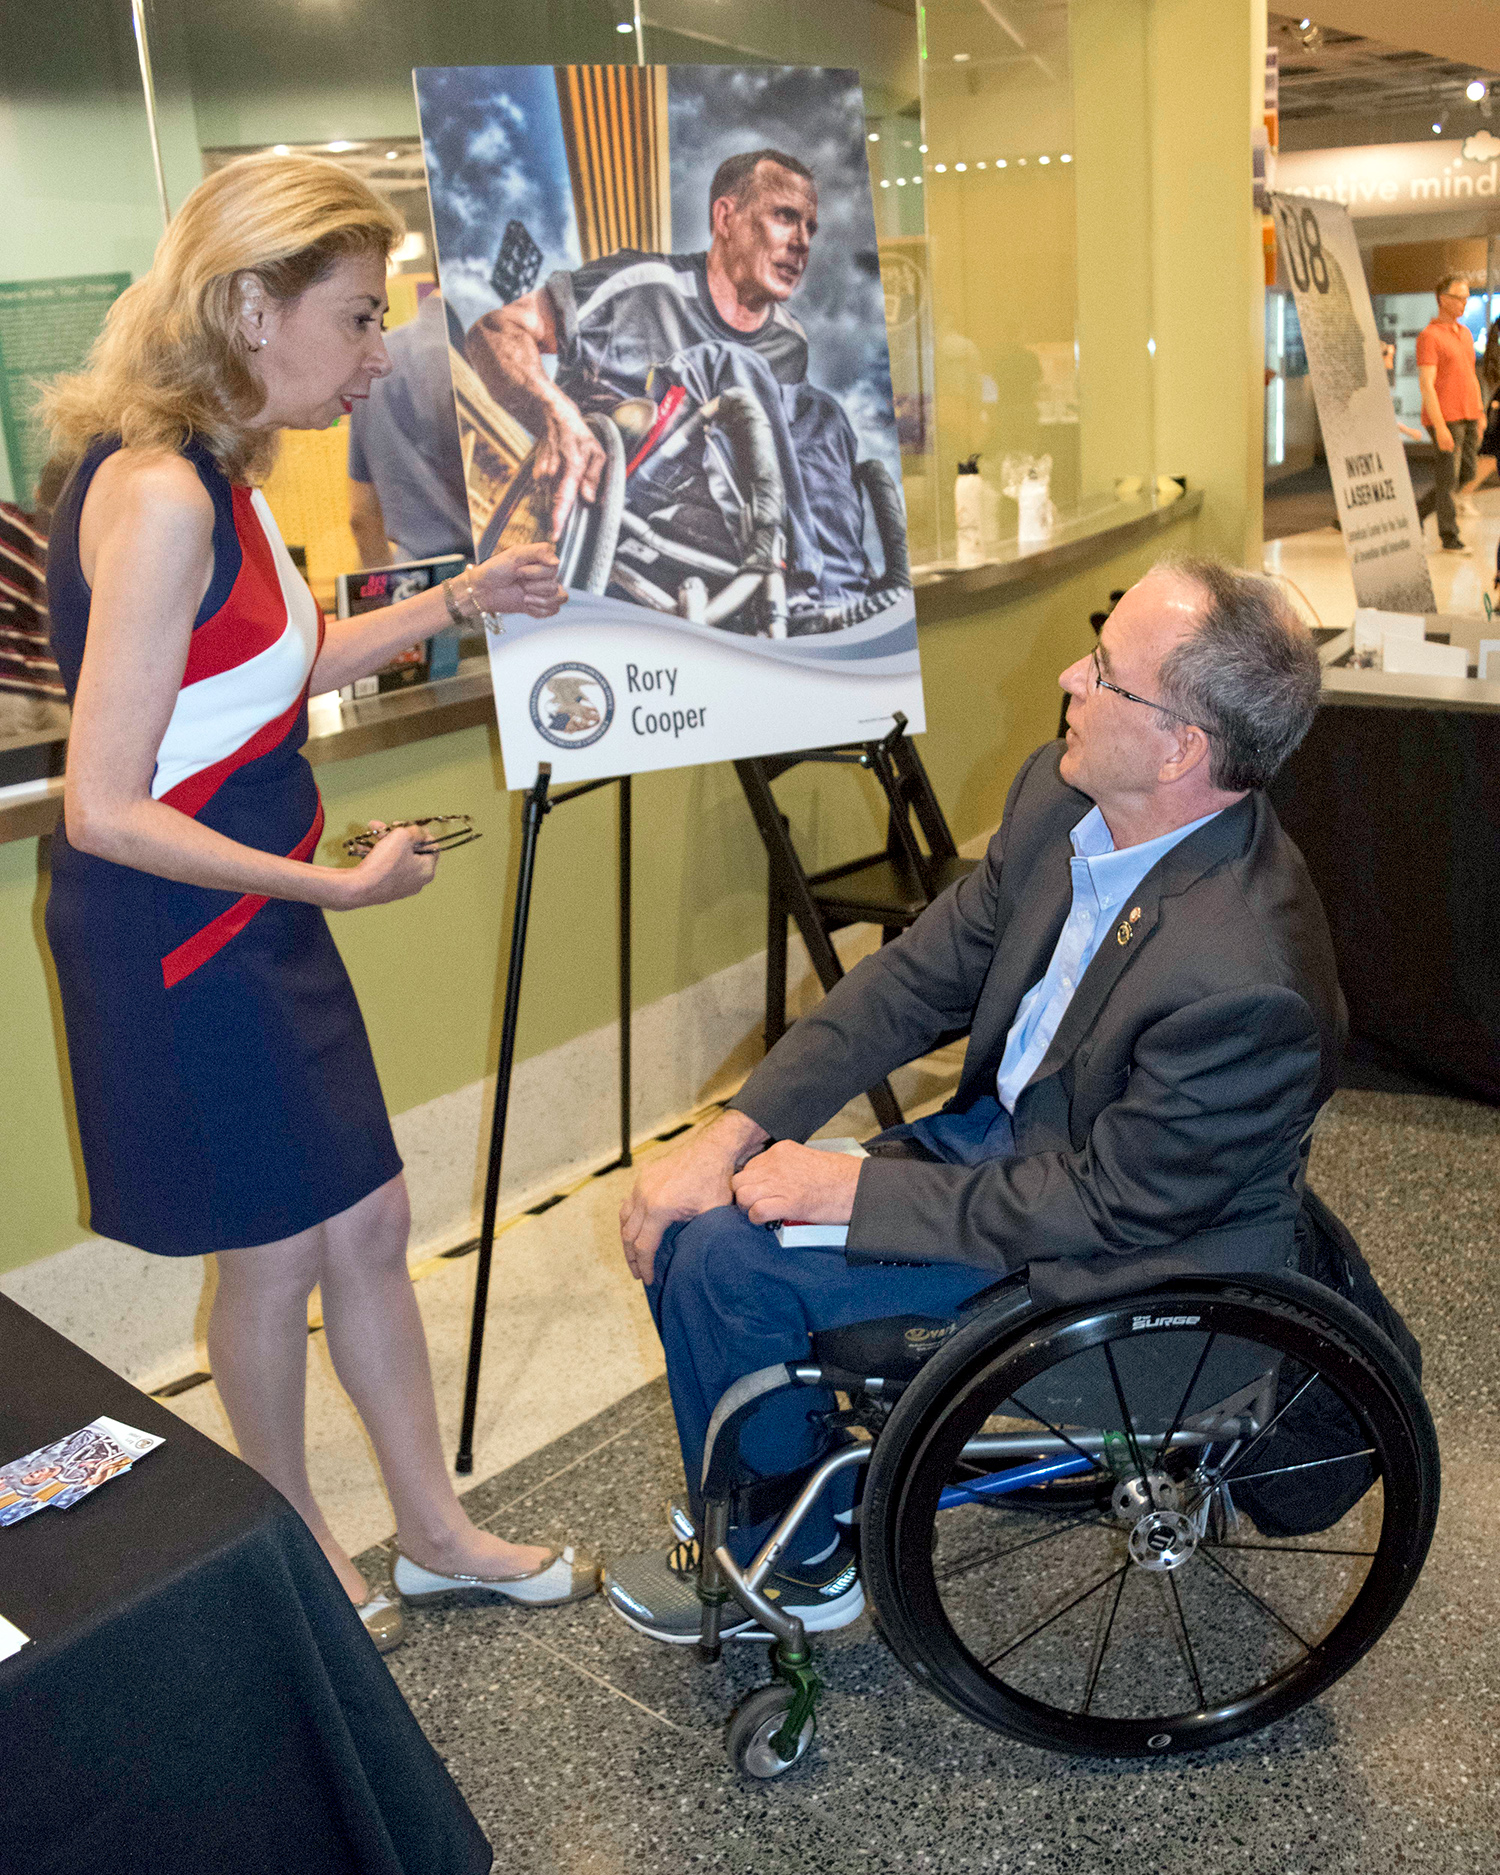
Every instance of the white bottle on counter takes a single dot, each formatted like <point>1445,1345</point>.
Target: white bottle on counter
<point>968,512</point>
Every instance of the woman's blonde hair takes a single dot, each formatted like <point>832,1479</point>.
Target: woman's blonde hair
<point>171,362</point>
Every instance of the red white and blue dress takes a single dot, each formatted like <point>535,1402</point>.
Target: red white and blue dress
<point>224,1085</point>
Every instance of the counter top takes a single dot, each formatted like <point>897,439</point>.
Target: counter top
<point>1408,690</point>
<point>30,807</point>
<point>946,588</point>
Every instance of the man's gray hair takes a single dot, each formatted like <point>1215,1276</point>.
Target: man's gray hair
<point>1447,280</point>
<point>1249,675</point>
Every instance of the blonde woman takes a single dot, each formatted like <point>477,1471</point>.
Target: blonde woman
<point>226,1095</point>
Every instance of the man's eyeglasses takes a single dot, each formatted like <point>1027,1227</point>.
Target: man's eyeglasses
<point>1103,683</point>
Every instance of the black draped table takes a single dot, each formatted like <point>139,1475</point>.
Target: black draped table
<point>1394,799</point>
<point>199,1696</point>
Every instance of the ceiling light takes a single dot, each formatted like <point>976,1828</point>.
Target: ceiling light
<point>960,58</point>
<point>281,149</point>
<point>923,148</point>
<point>1022,161</point>
<point>941,168</point>
<point>883,183</point>
<point>960,167</point>
<point>979,165</point>
<point>999,162</point>
<point>874,137</point>
<point>1476,89</point>
<point>625,26</point>
<point>1437,128</point>
<point>1304,24</point>
<point>391,155</point>
<point>1065,158</point>
<point>917,180</point>
<point>1044,159</point>
<point>900,182</point>
<point>342,144</point>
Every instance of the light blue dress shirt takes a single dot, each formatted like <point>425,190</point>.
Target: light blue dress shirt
<point>1103,879</point>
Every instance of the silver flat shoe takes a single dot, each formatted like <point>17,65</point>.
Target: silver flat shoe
<point>384,1621</point>
<point>567,1575</point>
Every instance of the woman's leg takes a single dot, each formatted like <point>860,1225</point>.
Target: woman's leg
<point>379,1351</point>
<point>257,1346</point>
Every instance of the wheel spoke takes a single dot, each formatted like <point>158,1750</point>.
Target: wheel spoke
<point>1245,1589</point>
<point>996,1555</point>
<point>1128,1428</point>
<point>1057,1433</point>
<point>1269,1427</point>
<point>965,1563</point>
<point>1032,1632</point>
<point>1101,1643</point>
<point>1233,1471</point>
<point>1289,1549</point>
<point>1187,1640</point>
<point>1306,1465</point>
<point>1177,1417</point>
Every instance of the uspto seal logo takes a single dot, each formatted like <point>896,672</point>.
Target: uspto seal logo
<point>572,705</point>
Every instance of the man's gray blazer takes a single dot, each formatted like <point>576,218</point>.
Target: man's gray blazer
<point>1178,1090</point>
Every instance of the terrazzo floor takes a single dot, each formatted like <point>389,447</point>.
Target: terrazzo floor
<point>585,1748</point>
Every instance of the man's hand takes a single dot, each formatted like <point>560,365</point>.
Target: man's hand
<point>1443,437</point>
<point>570,457</point>
<point>791,1181</point>
<point>684,1184</point>
<point>506,349</point>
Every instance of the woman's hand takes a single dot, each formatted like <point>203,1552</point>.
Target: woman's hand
<point>521,579</point>
<point>395,868</point>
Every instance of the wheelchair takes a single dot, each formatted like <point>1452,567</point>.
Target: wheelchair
<point>1133,1527</point>
<point>654,534</point>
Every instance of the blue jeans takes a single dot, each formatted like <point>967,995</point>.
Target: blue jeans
<point>728,1300</point>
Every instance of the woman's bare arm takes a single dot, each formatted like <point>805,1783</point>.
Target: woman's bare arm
<point>523,579</point>
<point>146,549</point>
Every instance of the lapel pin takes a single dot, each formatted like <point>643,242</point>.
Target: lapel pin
<point>1135,914</point>
<point>1123,933</point>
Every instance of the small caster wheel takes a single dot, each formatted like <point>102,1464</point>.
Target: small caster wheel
<point>755,1725</point>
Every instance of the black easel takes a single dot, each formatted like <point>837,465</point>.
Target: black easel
<point>538,805</point>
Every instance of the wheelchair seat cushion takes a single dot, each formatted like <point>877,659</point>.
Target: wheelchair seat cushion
<point>894,1349</point>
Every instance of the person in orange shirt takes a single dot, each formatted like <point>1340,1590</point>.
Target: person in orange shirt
<point>1451,403</point>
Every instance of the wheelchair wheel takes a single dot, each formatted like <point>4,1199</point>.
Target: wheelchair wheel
<point>1151,1615</point>
<point>591,532</point>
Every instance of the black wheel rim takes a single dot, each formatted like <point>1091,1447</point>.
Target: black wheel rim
<point>1041,1622</point>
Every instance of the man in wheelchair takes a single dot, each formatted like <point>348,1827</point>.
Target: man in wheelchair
<point>1154,1020</point>
<point>680,444</point>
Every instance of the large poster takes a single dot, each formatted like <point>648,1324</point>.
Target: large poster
<point>1377,510</point>
<point>675,367</point>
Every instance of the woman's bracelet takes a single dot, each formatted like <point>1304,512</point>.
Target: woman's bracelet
<point>491,621</point>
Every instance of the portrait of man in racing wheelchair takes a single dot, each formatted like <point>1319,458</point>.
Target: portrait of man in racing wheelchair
<point>1145,1460</point>
<point>683,460</point>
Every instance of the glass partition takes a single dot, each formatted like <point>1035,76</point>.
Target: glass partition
<point>1008,155</point>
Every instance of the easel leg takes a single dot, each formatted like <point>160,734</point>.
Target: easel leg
<point>625,1007</point>
<point>536,807</point>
